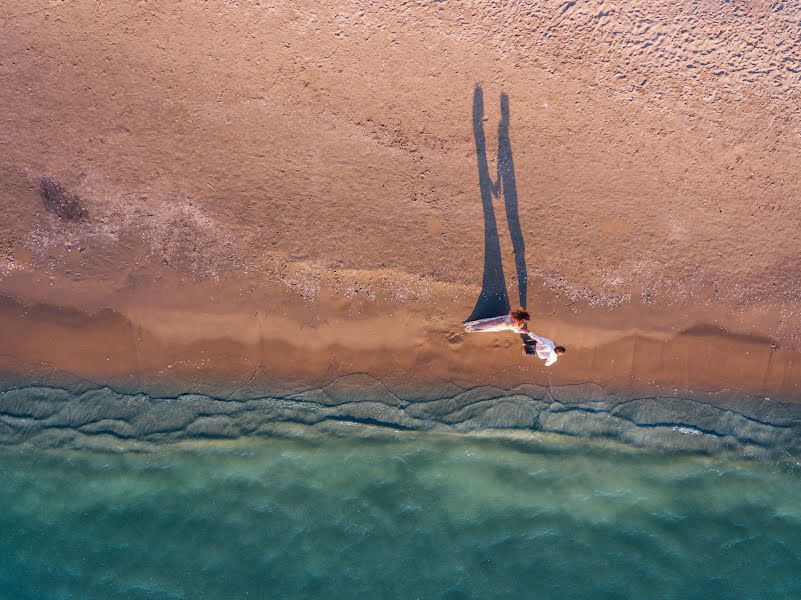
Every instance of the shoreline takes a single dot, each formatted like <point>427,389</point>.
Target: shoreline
<point>103,419</point>
<point>168,365</point>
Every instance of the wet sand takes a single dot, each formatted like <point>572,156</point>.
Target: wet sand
<point>266,198</point>
<point>164,344</point>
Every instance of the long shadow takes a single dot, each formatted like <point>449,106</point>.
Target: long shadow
<point>508,184</point>
<point>494,297</point>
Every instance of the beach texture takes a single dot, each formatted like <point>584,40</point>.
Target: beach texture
<point>244,199</point>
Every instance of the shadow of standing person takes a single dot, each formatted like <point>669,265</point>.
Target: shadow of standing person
<point>494,297</point>
<point>508,186</point>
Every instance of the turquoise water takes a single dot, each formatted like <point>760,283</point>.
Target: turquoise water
<point>419,517</point>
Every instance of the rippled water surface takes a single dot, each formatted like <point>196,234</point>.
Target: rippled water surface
<point>417,517</point>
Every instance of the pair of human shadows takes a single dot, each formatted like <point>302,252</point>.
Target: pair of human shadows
<point>494,297</point>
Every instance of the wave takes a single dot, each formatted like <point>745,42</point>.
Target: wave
<point>104,417</point>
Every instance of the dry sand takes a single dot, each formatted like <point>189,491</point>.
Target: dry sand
<point>251,193</point>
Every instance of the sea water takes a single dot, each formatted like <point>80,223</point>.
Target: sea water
<point>418,516</point>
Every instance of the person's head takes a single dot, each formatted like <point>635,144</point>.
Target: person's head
<point>520,316</point>
<point>560,349</point>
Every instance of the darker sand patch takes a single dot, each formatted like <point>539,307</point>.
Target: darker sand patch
<point>58,200</point>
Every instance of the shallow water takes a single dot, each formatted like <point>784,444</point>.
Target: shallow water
<point>422,516</point>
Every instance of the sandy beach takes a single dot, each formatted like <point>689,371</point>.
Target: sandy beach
<point>238,198</point>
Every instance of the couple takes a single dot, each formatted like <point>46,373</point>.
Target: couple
<point>517,321</point>
<point>494,297</point>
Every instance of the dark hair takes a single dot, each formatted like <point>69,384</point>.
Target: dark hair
<point>560,349</point>
<point>520,314</point>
